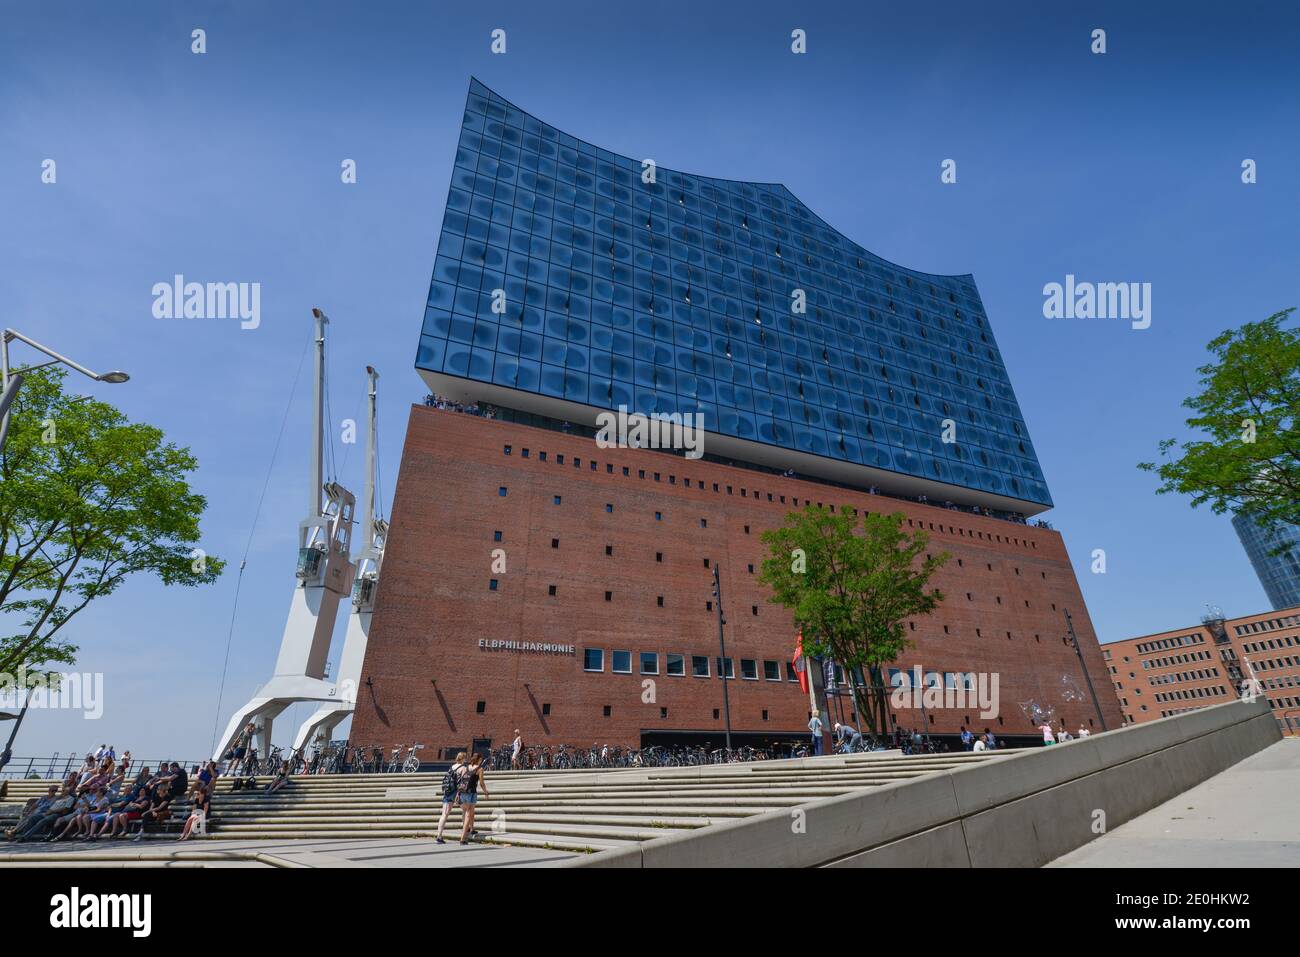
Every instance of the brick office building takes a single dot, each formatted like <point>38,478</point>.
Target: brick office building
<point>1157,676</point>
<point>567,283</point>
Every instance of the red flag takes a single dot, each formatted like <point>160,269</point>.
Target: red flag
<point>800,663</point>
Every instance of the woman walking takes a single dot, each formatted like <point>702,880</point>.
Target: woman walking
<point>473,777</point>
<point>451,785</point>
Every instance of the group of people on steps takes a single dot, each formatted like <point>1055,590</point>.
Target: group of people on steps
<point>460,785</point>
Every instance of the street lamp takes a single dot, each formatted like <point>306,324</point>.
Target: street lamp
<point>722,649</point>
<point>13,382</point>
<point>1074,640</point>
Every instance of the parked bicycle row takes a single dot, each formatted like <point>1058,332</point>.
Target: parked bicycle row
<point>333,757</point>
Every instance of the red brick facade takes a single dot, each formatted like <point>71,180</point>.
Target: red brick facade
<point>1161,675</point>
<point>643,526</point>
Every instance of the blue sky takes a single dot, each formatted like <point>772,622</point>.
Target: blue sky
<point>225,167</point>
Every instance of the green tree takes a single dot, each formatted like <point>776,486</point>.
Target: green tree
<point>1246,457</point>
<point>87,499</point>
<point>852,586</point>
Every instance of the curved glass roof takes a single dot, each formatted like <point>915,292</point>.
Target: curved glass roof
<point>621,284</point>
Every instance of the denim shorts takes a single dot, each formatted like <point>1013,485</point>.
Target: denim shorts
<point>469,799</point>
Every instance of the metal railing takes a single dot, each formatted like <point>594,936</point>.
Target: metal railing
<point>58,766</point>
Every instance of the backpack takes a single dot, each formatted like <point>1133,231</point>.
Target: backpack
<point>450,781</point>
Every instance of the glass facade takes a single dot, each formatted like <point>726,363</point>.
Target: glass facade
<point>1278,571</point>
<point>569,272</point>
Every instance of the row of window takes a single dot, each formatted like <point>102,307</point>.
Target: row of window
<point>675,665</point>
<point>1255,627</point>
<point>1272,644</point>
<point>776,498</point>
<point>1186,694</point>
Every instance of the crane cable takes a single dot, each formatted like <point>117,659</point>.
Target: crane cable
<point>221,690</point>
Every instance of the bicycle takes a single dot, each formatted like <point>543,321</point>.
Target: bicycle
<point>412,762</point>
<point>395,761</point>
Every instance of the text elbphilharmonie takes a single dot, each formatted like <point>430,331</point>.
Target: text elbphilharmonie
<point>493,645</point>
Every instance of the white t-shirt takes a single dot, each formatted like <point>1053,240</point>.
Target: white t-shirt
<point>1084,732</point>
<point>979,745</point>
<point>517,746</point>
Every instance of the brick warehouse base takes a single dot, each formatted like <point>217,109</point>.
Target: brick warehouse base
<point>618,557</point>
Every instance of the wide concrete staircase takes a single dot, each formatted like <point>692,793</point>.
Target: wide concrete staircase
<point>574,810</point>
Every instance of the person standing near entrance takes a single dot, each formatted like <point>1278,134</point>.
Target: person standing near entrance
<point>815,726</point>
<point>473,776</point>
<point>516,748</point>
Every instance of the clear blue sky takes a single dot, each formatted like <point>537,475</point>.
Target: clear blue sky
<point>225,167</point>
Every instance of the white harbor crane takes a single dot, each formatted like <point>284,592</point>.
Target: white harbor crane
<point>374,531</point>
<point>324,576</point>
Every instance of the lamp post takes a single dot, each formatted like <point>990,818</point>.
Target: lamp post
<point>12,382</point>
<point>722,649</point>
<point>1074,640</point>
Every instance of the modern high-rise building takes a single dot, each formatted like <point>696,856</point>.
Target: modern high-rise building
<point>1274,553</point>
<point>538,579</point>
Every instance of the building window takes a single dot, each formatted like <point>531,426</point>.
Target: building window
<point>659,556</point>
<point>726,667</point>
<point>480,707</point>
<point>555,543</point>
<point>496,536</point>
<point>492,585</point>
<point>546,708</point>
<point>593,659</point>
<point>609,506</point>
<point>649,663</point>
<point>550,589</point>
<point>700,666</point>
<point>675,665</point>
<point>749,669</point>
<point>790,673</point>
<point>606,711</point>
<point>542,456</point>
<point>754,609</point>
<point>506,450</point>
<point>772,670</point>
<point>621,662</point>
<point>659,600</point>
<point>502,491</point>
<point>557,500</point>
<point>659,516</point>
<point>609,596</point>
<point>706,563</point>
<point>609,549</point>
<point>524,453</point>
<point>704,522</point>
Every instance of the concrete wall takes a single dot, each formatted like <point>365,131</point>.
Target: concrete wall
<point>1020,811</point>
